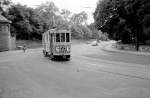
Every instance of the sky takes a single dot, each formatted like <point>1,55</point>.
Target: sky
<point>74,6</point>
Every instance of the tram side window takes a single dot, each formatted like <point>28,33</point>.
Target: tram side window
<point>57,37</point>
<point>46,38</point>
<point>62,37</point>
<point>67,37</point>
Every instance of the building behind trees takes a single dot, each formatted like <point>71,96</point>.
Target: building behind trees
<point>6,41</point>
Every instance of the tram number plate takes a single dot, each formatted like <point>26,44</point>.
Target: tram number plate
<point>63,49</point>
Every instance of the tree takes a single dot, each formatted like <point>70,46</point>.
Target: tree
<point>104,9</point>
<point>79,18</point>
<point>123,18</point>
<point>93,29</point>
<point>66,14</point>
<point>48,14</point>
<point>25,22</point>
<point>29,23</point>
<point>4,6</point>
<point>135,12</point>
<point>97,34</point>
<point>79,26</point>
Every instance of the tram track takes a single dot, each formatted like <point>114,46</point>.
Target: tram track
<point>121,69</point>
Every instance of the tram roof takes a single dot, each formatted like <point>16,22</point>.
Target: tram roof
<point>4,20</point>
<point>58,31</point>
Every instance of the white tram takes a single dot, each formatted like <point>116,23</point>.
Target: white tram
<point>57,43</point>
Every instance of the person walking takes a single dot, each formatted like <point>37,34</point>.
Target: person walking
<point>24,48</point>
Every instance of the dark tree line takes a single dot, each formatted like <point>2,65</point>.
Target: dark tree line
<point>125,20</point>
<point>25,23</point>
<point>29,24</point>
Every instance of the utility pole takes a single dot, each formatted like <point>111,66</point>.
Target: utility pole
<point>137,40</point>
<point>54,23</point>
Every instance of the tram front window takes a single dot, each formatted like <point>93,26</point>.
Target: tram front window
<point>57,37</point>
<point>62,37</point>
<point>67,37</point>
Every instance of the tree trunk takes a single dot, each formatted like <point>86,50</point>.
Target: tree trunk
<point>138,32</point>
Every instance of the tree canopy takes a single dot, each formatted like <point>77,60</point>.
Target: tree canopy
<point>4,5</point>
<point>29,23</point>
<point>125,20</point>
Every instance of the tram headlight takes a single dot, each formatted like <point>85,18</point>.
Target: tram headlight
<point>68,48</point>
<point>57,48</point>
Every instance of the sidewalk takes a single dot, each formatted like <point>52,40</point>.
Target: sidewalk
<point>111,48</point>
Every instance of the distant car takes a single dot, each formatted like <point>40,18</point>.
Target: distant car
<point>99,41</point>
<point>19,47</point>
<point>24,48</point>
<point>88,42</point>
<point>94,43</point>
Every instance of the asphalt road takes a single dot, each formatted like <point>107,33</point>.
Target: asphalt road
<point>91,73</point>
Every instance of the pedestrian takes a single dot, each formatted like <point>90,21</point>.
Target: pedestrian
<point>24,48</point>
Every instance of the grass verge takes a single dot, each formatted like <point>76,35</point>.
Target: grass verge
<point>29,43</point>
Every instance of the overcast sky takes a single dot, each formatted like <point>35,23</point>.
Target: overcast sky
<point>74,6</point>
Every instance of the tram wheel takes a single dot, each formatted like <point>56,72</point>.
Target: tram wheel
<point>68,58</point>
<point>45,53</point>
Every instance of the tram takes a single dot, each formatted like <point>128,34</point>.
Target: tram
<point>57,44</point>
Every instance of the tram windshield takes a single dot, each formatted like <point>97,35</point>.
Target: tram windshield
<point>62,37</point>
<point>57,37</point>
<point>67,37</point>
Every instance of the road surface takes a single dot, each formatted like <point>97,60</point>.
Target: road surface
<point>91,73</point>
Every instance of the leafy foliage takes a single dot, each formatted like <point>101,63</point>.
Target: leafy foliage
<point>79,18</point>
<point>4,5</point>
<point>79,26</point>
<point>29,23</point>
<point>24,21</point>
<point>125,20</point>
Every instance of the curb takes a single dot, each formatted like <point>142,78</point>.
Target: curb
<point>110,48</point>
<point>17,51</point>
